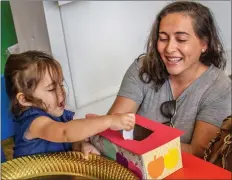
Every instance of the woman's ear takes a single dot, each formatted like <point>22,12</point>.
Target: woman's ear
<point>204,46</point>
<point>21,99</point>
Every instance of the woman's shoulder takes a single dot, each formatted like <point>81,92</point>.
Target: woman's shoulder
<point>219,84</point>
<point>137,62</point>
<point>222,80</point>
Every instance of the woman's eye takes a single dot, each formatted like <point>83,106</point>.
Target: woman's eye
<point>163,39</point>
<point>181,40</point>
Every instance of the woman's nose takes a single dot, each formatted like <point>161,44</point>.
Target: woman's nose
<point>171,47</point>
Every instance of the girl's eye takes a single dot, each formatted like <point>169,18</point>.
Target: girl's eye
<point>52,89</point>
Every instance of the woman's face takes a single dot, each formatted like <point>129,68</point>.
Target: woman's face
<point>178,45</point>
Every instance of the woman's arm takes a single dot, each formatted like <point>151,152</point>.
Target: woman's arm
<point>202,134</point>
<point>123,105</point>
<point>216,106</point>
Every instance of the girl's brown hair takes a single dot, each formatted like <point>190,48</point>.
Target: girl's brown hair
<point>24,71</point>
<point>204,28</point>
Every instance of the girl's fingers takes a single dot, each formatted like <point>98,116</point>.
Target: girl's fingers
<point>131,123</point>
<point>89,148</point>
<point>95,151</point>
<point>91,115</point>
<point>86,152</point>
<point>129,127</point>
<point>132,117</point>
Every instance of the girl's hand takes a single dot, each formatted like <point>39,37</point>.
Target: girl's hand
<point>122,122</point>
<point>87,148</point>
<point>119,121</point>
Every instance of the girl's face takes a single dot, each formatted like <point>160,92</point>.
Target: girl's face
<point>178,45</point>
<point>53,96</point>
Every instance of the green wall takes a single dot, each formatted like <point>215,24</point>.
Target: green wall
<point>8,35</point>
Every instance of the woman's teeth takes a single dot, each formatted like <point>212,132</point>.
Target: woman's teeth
<point>174,59</point>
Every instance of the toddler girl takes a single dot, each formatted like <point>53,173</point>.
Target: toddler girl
<point>34,84</point>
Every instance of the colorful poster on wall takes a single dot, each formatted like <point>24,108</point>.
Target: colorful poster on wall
<point>8,35</point>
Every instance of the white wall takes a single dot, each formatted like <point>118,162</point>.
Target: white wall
<point>30,25</point>
<point>103,38</point>
<point>222,15</point>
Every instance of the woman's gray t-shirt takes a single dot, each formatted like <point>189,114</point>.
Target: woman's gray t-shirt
<point>208,99</point>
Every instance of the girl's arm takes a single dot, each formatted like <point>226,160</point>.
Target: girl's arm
<point>77,130</point>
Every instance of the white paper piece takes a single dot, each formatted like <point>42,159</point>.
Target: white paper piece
<point>128,135</point>
<point>13,49</point>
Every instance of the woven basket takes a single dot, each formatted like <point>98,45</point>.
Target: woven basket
<point>64,164</point>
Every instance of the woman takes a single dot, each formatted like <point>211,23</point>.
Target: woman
<point>183,62</point>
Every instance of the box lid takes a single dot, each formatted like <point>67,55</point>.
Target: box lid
<point>161,135</point>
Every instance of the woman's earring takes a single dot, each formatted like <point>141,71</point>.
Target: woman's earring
<point>203,50</point>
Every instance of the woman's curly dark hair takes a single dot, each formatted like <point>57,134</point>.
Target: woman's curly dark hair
<point>204,27</point>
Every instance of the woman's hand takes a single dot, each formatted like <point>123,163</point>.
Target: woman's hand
<point>87,148</point>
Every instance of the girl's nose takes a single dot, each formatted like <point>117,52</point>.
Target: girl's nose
<point>60,90</point>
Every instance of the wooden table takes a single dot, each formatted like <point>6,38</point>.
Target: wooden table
<point>196,168</point>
